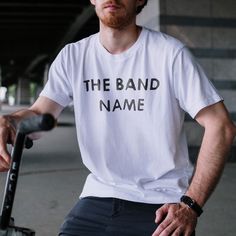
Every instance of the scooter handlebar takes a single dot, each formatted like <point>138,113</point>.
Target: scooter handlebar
<point>38,123</point>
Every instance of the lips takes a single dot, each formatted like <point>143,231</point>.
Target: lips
<point>112,6</point>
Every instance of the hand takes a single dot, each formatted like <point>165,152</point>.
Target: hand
<point>7,135</point>
<point>175,220</point>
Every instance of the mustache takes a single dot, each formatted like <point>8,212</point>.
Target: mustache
<point>113,3</point>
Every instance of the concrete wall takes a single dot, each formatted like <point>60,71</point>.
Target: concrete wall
<point>149,16</point>
<point>208,27</point>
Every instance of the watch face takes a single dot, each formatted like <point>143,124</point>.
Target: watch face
<point>192,204</point>
<point>189,201</point>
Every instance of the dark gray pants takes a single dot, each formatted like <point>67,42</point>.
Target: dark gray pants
<point>110,217</point>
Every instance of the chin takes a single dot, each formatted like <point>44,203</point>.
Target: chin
<point>115,22</point>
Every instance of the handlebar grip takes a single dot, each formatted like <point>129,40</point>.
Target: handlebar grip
<point>33,124</point>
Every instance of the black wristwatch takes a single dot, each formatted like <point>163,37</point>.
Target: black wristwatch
<point>191,204</point>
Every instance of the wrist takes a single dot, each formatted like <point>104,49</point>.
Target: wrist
<point>198,195</point>
<point>191,203</point>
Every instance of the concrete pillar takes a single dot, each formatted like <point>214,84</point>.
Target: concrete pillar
<point>207,27</point>
<point>45,74</point>
<point>23,92</point>
<point>149,17</point>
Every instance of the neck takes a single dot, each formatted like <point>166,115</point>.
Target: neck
<point>118,40</point>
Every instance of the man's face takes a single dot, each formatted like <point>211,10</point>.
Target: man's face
<point>116,14</point>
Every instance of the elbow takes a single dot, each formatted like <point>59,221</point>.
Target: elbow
<point>229,131</point>
<point>233,132</point>
<point>222,132</point>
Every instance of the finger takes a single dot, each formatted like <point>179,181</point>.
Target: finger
<point>5,156</point>
<point>169,227</point>
<point>162,227</point>
<point>4,166</point>
<point>162,230</point>
<point>161,213</point>
<point>188,232</point>
<point>179,232</point>
<point>5,159</point>
<point>8,133</point>
<point>12,136</point>
<point>172,230</point>
<point>4,152</point>
<point>3,145</point>
<point>2,169</point>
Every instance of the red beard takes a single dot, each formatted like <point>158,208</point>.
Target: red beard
<point>116,19</point>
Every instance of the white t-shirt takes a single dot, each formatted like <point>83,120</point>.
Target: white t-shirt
<point>129,112</point>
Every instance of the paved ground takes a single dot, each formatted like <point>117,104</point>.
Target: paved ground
<point>52,177</point>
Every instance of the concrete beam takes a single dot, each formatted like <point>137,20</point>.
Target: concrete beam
<point>34,63</point>
<point>77,25</point>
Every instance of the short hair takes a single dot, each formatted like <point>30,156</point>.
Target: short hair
<point>140,8</point>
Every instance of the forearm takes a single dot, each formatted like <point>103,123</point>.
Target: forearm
<point>41,106</point>
<point>216,143</point>
<point>210,164</point>
<point>8,123</point>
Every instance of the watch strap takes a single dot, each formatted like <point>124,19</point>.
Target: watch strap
<point>192,204</point>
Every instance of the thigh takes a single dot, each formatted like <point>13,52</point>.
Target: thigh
<point>110,217</point>
<point>87,218</point>
<point>132,219</point>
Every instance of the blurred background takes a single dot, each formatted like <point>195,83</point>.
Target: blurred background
<point>32,32</point>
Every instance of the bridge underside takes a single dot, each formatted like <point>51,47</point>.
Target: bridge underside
<point>32,33</point>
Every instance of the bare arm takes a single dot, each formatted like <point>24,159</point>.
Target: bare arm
<point>217,140</point>
<point>9,122</point>
<point>218,137</point>
<point>42,105</point>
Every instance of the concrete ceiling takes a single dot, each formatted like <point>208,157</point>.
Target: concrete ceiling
<point>33,31</point>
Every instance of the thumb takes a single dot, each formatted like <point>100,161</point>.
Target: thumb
<point>161,213</point>
<point>5,158</point>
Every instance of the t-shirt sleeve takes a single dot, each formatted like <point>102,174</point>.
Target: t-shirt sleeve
<point>192,88</point>
<point>58,87</point>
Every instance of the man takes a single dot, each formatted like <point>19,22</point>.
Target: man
<point>131,87</point>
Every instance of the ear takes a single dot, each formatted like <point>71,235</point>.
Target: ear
<point>93,2</point>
